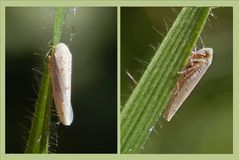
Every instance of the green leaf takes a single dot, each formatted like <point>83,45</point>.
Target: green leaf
<point>39,132</point>
<point>152,94</point>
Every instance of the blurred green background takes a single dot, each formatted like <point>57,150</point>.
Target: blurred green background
<point>91,35</point>
<point>204,122</point>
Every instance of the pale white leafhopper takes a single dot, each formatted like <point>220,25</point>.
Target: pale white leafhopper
<point>60,71</point>
<point>196,67</point>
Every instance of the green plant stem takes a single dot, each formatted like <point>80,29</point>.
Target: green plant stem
<point>39,132</point>
<point>152,94</point>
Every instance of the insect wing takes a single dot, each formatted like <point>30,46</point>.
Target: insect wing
<point>60,66</point>
<point>188,81</point>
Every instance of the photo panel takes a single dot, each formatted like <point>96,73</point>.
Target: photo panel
<point>82,72</point>
<point>201,96</point>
